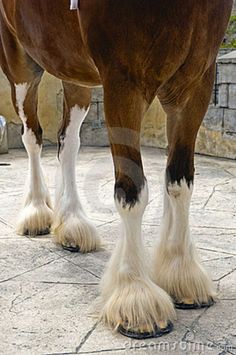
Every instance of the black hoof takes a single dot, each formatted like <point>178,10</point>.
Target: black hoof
<point>158,332</point>
<point>42,232</point>
<point>181,305</point>
<point>71,249</point>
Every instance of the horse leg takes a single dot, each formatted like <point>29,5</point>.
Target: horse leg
<point>177,268</point>
<point>71,226</point>
<point>36,215</point>
<point>24,76</point>
<point>131,301</point>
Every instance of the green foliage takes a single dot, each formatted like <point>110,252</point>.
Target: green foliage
<point>230,37</point>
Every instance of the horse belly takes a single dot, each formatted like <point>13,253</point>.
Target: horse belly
<point>49,32</point>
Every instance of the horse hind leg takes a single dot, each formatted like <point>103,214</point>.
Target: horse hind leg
<point>71,227</point>
<point>24,76</point>
<point>177,268</point>
<point>36,216</point>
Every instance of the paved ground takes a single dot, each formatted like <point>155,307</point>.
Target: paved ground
<point>47,294</point>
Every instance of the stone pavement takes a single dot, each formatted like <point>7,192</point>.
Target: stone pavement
<point>47,294</point>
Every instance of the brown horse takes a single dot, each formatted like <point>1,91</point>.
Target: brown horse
<point>136,50</point>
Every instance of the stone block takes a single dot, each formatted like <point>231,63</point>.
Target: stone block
<point>223,95</point>
<point>229,57</point>
<point>93,113</point>
<point>214,118</point>
<point>232,95</point>
<point>96,112</point>
<point>227,73</point>
<point>94,136</point>
<point>97,94</point>
<point>229,121</point>
<point>14,135</point>
<point>214,143</point>
<point>230,136</point>
<point>3,136</point>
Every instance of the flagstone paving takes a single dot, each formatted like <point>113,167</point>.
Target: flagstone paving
<point>48,295</point>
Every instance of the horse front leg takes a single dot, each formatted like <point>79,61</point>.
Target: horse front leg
<point>131,302</point>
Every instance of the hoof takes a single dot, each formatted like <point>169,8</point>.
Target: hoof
<point>156,333</point>
<point>136,308</point>
<point>182,305</point>
<point>184,278</point>
<point>71,249</point>
<point>38,232</point>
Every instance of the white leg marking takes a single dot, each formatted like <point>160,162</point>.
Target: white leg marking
<point>176,266</point>
<point>36,217</point>
<point>129,297</point>
<point>21,92</point>
<point>71,226</point>
<point>175,226</point>
<point>73,4</point>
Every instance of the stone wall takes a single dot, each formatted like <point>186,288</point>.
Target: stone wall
<point>217,135</point>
